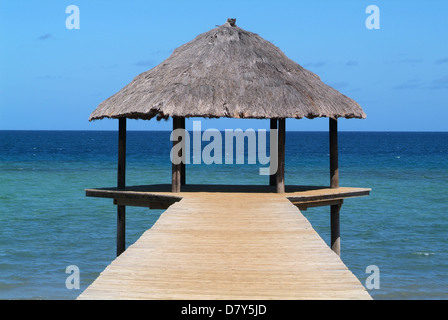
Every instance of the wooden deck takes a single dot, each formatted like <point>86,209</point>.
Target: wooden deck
<point>227,242</point>
<point>160,196</point>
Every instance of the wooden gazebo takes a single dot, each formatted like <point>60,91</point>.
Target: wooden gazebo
<point>228,72</point>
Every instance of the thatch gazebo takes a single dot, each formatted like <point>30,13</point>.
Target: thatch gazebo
<point>229,72</point>
<point>234,73</point>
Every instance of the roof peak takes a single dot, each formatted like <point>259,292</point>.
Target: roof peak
<point>231,22</point>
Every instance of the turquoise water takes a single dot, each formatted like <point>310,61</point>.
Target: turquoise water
<point>47,223</point>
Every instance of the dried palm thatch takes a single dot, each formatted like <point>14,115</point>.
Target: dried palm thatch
<point>228,72</point>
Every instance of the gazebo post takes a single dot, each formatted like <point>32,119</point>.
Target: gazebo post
<point>273,126</point>
<point>334,183</point>
<point>281,156</point>
<point>182,166</point>
<point>334,166</point>
<point>176,168</point>
<point>121,184</point>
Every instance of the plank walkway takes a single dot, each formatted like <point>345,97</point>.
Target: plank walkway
<point>224,246</point>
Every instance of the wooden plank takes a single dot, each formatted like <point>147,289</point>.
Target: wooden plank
<point>128,193</point>
<point>328,194</point>
<point>214,245</point>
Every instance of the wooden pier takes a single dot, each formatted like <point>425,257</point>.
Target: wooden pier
<point>228,242</point>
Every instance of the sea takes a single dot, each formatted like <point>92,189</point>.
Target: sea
<point>396,238</point>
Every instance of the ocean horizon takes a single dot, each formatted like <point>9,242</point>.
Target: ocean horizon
<point>48,224</point>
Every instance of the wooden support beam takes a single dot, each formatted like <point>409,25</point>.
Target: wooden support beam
<point>182,166</point>
<point>305,205</point>
<point>335,229</point>
<point>121,172</point>
<point>273,177</point>
<point>281,156</point>
<point>121,184</point>
<point>334,183</point>
<point>153,204</point>
<point>328,194</point>
<point>176,180</point>
<point>334,166</point>
<point>121,229</point>
<point>135,193</point>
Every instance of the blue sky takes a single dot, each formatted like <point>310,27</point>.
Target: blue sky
<point>52,78</point>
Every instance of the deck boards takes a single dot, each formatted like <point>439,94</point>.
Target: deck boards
<point>231,245</point>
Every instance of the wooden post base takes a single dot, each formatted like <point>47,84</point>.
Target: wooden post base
<point>121,229</point>
<point>335,228</point>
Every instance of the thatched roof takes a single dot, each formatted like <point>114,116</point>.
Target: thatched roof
<point>228,72</point>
